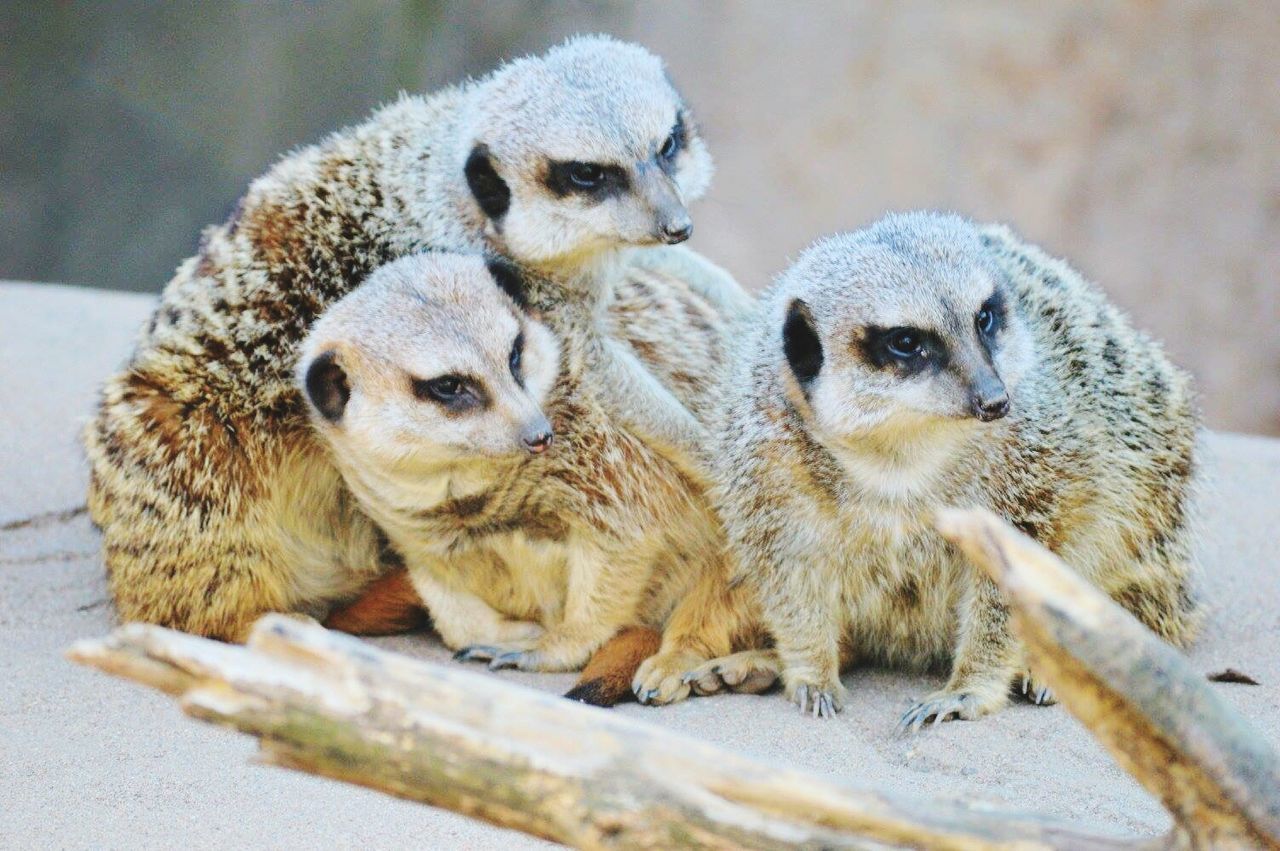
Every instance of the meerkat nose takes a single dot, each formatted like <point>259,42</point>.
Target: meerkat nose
<point>993,408</point>
<point>538,442</point>
<point>677,231</point>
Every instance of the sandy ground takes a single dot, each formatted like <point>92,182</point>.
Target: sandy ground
<point>91,762</point>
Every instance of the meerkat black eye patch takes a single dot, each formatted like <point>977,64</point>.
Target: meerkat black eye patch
<point>327,386</point>
<point>457,394</point>
<point>907,350</point>
<point>673,145</point>
<point>800,343</point>
<point>593,180</point>
<point>509,280</point>
<point>489,189</point>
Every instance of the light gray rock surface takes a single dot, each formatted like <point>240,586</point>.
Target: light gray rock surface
<point>87,761</point>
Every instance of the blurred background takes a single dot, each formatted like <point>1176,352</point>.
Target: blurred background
<point>1139,139</point>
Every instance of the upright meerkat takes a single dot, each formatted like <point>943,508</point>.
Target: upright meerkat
<point>215,501</point>
<point>927,362</point>
<point>429,387</point>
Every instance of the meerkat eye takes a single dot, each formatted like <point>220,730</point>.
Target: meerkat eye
<point>669,147</point>
<point>517,354</point>
<point>674,142</point>
<point>445,389</point>
<point>904,343</point>
<point>586,175</point>
<point>988,320</point>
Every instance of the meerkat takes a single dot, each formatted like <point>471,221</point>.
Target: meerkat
<point>215,500</point>
<point>531,537</point>
<point>649,316</point>
<point>928,362</point>
<point>427,386</point>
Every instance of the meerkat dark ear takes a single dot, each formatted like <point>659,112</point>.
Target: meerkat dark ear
<point>800,343</point>
<point>509,279</point>
<point>327,386</point>
<point>490,190</point>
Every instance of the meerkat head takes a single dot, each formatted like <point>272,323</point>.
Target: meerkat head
<point>900,331</point>
<point>581,151</point>
<point>429,362</point>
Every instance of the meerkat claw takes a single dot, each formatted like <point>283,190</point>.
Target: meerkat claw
<point>1044,697</point>
<point>802,699</point>
<point>705,679</point>
<point>939,709</point>
<point>513,659</point>
<point>477,653</point>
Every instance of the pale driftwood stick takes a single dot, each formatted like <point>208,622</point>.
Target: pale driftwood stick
<point>1158,717</point>
<point>329,704</point>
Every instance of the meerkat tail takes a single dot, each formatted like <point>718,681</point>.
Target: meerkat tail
<point>606,680</point>
<point>390,605</point>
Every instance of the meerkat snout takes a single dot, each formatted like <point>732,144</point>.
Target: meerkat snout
<point>537,437</point>
<point>990,399</point>
<point>660,196</point>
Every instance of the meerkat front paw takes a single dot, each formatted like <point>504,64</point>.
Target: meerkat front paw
<point>950,704</point>
<point>1033,690</point>
<point>490,653</point>
<point>746,672</point>
<point>660,678</point>
<point>821,697</point>
<point>551,651</point>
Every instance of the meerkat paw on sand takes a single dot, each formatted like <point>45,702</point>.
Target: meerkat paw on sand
<point>555,650</point>
<point>745,672</point>
<point>819,694</point>
<point>661,678</point>
<point>1033,690</point>
<point>966,703</point>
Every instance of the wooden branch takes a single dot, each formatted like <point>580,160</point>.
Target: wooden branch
<point>330,704</point>
<point>1160,719</point>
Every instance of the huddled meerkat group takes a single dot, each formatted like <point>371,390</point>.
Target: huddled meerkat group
<point>454,361</point>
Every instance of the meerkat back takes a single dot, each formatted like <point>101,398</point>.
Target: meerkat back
<point>1126,451</point>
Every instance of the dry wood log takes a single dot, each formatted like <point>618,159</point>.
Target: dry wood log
<point>329,704</point>
<point>1160,719</point>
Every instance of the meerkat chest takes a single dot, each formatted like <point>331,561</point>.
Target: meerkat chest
<point>897,572</point>
<point>520,576</point>
<point>491,539</point>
